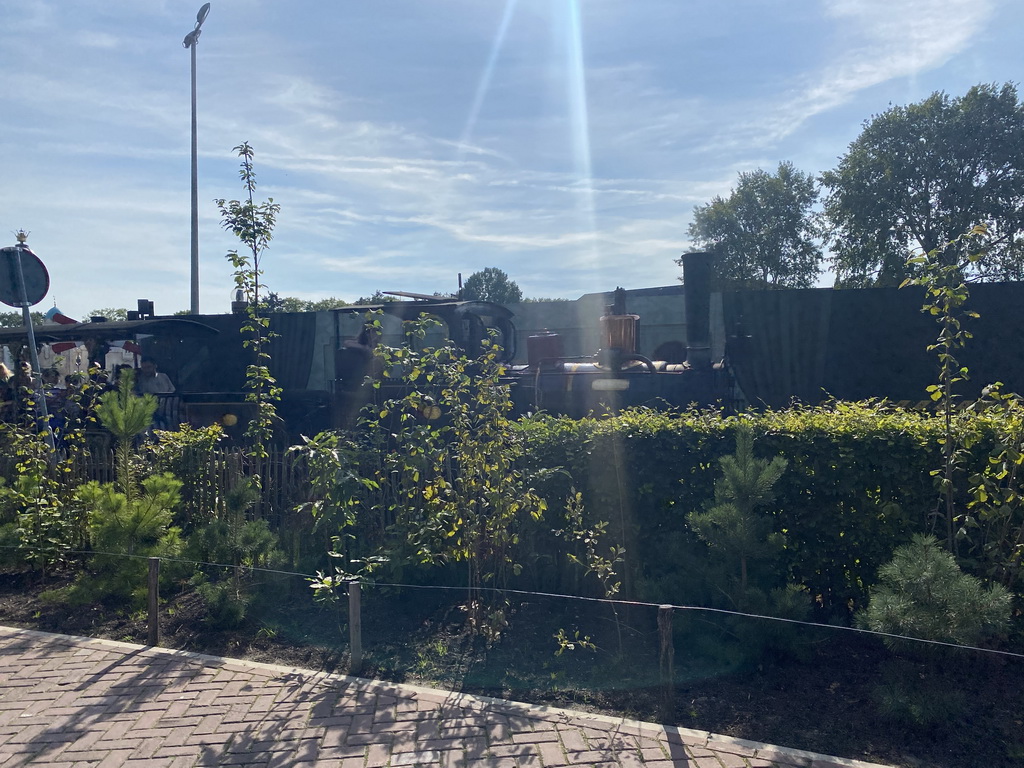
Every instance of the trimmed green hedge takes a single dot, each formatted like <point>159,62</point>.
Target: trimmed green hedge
<point>857,486</point>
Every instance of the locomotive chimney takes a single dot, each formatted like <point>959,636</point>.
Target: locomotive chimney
<point>618,328</point>
<point>697,293</point>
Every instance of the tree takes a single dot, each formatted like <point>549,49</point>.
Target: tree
<point>323,304</point>
<point>763,235</point>
<point>275,303</point>
<point>111,313</point>
<point>16,319</point>
<point>253,224</point>
<point>377,297</point>
<point>491,284</point>
<point>733,525</point>
<point>918,176</point>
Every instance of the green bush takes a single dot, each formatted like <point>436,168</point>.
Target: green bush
<point>124,531</point>
<point>244,546</point>
<point>923,593</point>
<point>189,455</point>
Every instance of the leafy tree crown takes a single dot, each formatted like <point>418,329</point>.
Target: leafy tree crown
<point>764,233</point>
<point>920,175</point>
<point>491,284</point>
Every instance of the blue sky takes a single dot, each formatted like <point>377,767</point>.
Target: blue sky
<point>563,141</point>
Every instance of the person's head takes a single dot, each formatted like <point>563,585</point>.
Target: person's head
<point>369,336</point>
<point>51,377</point>
<point>147,367</point>
<point>24,375</point>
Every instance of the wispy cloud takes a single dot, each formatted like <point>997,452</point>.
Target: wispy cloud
<point>358,117</point>
<point>874,41</point>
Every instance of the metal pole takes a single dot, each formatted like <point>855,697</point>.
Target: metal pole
<point>41,412</point>
<point>355,628</point>
<point>666,661</point>
<point>153,589</point>
<point>194,307</point>
<point>191,41</point>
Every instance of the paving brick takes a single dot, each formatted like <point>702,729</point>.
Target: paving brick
<point>572,741</point>
<point>631,759</point>
<point>552,754</point>
<point>488,762</point>
<point>342,752</point>
<point>377,755</point>
<point>370,738</point>
<point>417,757</point>
<point>115,758</point>
<point>72,703</point>
<point>452,758</point>
<point>175,749</point>
<point>332,721</point>
<point>652,754</point>
<point>533,737</point>
<point>590,758</point>
<point>514,750</point>
<point>729,760</point>
<point>148,747</point>
<point>456,744</point>
<point>361,724</point>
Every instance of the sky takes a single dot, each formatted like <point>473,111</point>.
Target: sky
<point>565,142</point>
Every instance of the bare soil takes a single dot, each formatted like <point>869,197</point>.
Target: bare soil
<point>826,697</point>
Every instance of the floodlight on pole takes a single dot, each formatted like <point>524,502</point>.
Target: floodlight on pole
<point>191,42</point>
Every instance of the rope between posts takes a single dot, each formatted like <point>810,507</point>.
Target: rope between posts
<point>555,595</point>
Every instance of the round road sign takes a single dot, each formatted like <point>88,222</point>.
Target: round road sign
<point>37,281</point>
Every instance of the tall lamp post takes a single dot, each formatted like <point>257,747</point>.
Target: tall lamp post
<point>191,41</point>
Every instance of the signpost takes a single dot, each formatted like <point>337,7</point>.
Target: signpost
<point>24,282</point>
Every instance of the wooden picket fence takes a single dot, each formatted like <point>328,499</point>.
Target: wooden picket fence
<point>209,479</point>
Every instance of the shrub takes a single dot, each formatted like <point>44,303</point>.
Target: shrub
<point>242,545</point>
<point>923,594</point>
<point>124,531</point>
<point>189,455</point>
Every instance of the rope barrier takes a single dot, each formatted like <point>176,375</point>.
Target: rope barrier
<point>555,595</point>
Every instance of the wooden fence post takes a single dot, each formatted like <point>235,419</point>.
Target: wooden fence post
<point>355,628</point>
<point>666,661</point>
<point>154,601</point>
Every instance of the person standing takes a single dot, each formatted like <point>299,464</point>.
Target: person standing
<point>152,381</point>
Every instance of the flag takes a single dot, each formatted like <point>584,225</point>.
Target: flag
<point>54,315</point>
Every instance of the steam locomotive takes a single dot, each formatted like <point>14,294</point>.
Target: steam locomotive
<point>320,364</point>
<point>754,347</point>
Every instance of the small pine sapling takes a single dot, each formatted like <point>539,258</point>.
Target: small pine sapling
<point>733,526</point>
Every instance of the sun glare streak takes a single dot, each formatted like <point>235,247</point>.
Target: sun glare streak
<point>485,78</point>
<point>579,122</point>
<point>446,203</point>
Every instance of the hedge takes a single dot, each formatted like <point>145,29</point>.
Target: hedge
<point>857,486</point>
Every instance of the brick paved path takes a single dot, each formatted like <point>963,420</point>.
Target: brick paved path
<point>71,702</point>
